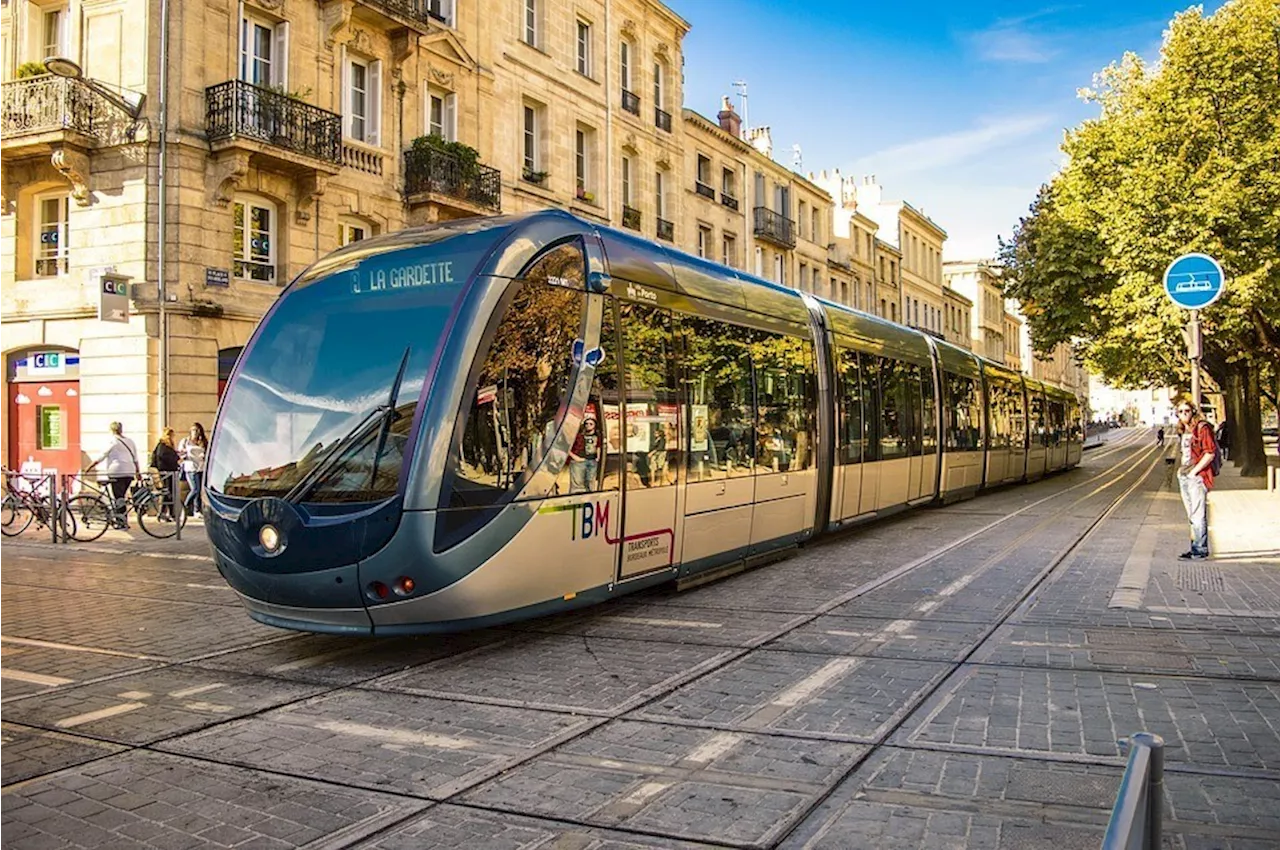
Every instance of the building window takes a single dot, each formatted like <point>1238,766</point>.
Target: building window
<point>626,182</point>
<point>779,269</point>
<point>583,155</point>
<point>659,86</point>
<point>800,219</point>
<point>660,194</point>
<point>354,230</point>
<point>255,244</point>
<point>51,234</point>
<point>624,64</point>
<point>815,229</point>
<point>363,100</point>
<point>728,183</point>
<point>804,276</point>
<point>442,115</point>
<point>531,22</point>
<point>264,52</point>
<point>55,27</point>
<point>532,139</point>
<point>441,10</point>
<point>729,250</point>
<point>584,48</point>
<point>704,240</point>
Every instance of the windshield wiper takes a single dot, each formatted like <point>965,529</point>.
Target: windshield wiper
<point>384,414</point>
<point>392,416</point>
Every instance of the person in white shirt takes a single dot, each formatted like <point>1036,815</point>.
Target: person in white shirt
<point>192,450</point>
<point>121,459</point>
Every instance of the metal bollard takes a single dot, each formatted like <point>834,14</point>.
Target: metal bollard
<point>1137,819</point>
<point>55,516</point>
<point>179,509</point>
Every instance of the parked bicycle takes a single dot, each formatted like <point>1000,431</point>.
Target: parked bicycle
<point>93,510</point>
<point>27,501</point>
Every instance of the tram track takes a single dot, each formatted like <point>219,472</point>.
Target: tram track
<point>1115,473</point>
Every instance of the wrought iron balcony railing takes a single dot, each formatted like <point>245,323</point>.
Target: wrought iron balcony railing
<point>631,102</point>
<point>442,173</point>
<point>47,103</point>
<point>662,119</point>
<point>666,230</point>
<point>774,227</point>
<point>630,217</point>
<point>729,201</point>
<point>236,109</point>
<point>418,12</point>
<point>704,190</point>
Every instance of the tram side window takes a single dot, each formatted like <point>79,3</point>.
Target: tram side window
<point>784,402</point>
<point>720,393</point>
<point>520,394</point>
<point>591,466</point>
<point>1017,418</point>
<point>851,436</point>
<point>998,407</point>
<point>929,439</point>
<point>911,373</point>
<point>1057,421</point>
<point>1074,433</point>
<point>895,409</point>
<point>872,419</point>
<point>962,410</point>
<point>650,437</point>
<point>1038,435</point>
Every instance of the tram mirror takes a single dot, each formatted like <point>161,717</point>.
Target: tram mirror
<point>598,282</point>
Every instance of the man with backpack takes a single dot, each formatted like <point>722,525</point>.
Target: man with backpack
<point>1200,463</point>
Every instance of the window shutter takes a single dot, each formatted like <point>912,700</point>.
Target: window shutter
<point>280,62</point>
<point>451,117</point>
<point>374,121</point>
<point>345,82</point>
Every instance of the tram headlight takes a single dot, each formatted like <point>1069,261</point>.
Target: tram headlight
<point>269,537</point>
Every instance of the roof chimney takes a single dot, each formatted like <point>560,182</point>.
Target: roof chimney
<point>761,139</point>
<point>729,120</point>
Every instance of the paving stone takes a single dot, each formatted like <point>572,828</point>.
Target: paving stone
<point>385,741</point>
<point>685,782</point>
<point>449,827</point>
<point>1212,723</point>
<point>150,578</point>
<point>146,707</point>
<point>28,752</point>
<point>38,669</point>
<point>233,806</point>
<point>559,672</point>
<point>843,697</point>
<point>334,660</point>
<point>663,622</point>
<point>925,638</point>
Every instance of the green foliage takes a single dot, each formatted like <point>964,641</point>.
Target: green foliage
<point>468,157</point>
<point>302,95</point>
<point>1183,157</point>
<point>30,69</point>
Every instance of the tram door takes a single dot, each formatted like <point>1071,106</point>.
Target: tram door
<point>649,438</point>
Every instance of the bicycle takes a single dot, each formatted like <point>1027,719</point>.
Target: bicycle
<point>24,505</point>
<point>94,512</point>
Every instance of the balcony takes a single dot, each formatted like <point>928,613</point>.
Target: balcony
<point>704,190</point>
<point>456,188</point>
<point>362,159</point>
<point>631,102</point>
<point>661,119</point>
<point>666,230</point>
<point>773,227</point>
<point>630,217</point>
<point>417,15</point>
<point>38,112</point>
<point>729,201</point>
<point>270,122</point>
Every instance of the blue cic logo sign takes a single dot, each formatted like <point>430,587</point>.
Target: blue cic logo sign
<point>1193,281</point>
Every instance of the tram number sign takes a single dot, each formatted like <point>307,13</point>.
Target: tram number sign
<point>113,298</point>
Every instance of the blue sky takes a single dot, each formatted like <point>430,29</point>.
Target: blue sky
<point>957,108</point>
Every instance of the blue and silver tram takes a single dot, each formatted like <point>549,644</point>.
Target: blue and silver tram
<point>498,418</point>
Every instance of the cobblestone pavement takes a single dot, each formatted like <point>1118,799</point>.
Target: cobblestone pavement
<point>950,678</point>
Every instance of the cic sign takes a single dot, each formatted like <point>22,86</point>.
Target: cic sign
<point>113,297</point>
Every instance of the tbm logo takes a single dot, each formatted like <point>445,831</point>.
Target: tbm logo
<point>594,520</point>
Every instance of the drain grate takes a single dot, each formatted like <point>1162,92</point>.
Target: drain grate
<point>1071,789</point>
<point>1200,577</point>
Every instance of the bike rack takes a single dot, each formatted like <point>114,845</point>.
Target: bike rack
<point>1136,820</point>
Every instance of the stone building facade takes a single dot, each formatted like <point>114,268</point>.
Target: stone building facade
<point>979,282</point>
<point>956,310</point>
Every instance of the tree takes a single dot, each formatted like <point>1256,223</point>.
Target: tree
<point>1184,156</point>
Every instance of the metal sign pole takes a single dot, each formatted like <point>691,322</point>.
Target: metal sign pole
<point>1194,355</point>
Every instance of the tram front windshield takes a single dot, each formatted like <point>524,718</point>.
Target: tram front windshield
<point>320,409</point>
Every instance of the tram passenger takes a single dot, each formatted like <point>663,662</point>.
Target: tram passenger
<point>584,458</point>
<point>1195,476</point>
<point>122,467</point>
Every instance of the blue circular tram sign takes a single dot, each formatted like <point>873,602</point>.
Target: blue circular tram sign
<point>1193,281</point>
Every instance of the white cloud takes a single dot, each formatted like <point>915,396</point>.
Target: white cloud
<point>1011,40</point>
<point>952,148</point>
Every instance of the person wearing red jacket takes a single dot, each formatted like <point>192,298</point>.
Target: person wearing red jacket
<point>1195,476</point>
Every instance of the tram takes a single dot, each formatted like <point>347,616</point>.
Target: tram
<point>492,419</point>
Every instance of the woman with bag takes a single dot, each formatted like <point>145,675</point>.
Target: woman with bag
<point>192,450</point>
<point>164,458</point>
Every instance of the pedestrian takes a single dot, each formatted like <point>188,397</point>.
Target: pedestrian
<point>164,458</point>
<point>192,450</point>
<point>121,459</point>
<point>1223,438</point>
<point>1195,476</point>
<point>1160,437</point>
